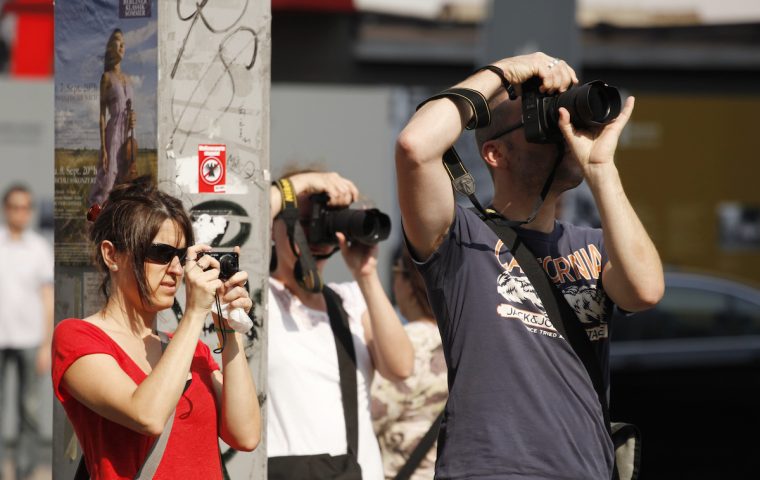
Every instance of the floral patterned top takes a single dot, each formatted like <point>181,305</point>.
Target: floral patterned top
<point>402,412</point>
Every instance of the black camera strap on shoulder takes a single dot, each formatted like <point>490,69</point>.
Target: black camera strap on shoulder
<point>306,272</point>
<point>464,183</point>
<point>344,345</point>
<point>461,178</point>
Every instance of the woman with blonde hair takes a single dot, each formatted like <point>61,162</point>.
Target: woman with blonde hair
<point>117,104</point>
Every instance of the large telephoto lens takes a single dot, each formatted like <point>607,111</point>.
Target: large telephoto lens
<point>364,226</point>
<point>590,105</point>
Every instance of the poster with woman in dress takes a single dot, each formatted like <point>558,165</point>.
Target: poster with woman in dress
<point>105,112</point>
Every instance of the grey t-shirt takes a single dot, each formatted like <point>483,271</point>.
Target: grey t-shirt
<point>521,404</point>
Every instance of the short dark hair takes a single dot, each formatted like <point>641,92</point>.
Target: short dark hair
<point>14,188</point>
<point>130,219</point>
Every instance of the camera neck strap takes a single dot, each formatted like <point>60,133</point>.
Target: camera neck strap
<point>461,178</point>
<point>306,272</point>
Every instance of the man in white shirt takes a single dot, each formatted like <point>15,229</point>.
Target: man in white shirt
<point>26,318</point>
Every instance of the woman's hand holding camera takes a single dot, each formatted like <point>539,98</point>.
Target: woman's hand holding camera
<point>201,279</point>
<point>360,259</point>
<point>234,293</point>
<point>342,192</point>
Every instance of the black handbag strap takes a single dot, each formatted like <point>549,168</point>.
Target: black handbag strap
<point>344,345</point>
<point>419,452</point>
<point>558,310</point>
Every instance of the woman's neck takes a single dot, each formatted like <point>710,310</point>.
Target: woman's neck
<point>414,313</point>
<point>120,313</point>
<point>312,300</point>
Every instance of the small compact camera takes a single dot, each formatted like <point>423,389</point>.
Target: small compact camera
<point>590,105</point>
<point>367,227</point>
<point>228,263</point>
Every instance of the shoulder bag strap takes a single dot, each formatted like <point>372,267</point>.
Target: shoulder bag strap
<point>156,452</point>
<point>419,452</point>
<point>344,345</point>
<point>559,311</point>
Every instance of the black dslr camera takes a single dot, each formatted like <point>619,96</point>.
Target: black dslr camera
<point>228,263</point>
<point>364,226</point>
<point>590,105</point>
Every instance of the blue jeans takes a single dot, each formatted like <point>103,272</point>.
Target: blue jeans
<point>28,401</point>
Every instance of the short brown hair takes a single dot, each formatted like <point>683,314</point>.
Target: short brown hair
<point>131,219</point>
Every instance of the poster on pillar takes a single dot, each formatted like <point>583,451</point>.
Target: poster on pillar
<point>105,109</point>
<point>213,138</point>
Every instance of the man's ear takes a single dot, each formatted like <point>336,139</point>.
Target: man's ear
<point>493,153</point>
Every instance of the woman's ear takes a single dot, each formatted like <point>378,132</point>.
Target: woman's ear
<point>110,255</point>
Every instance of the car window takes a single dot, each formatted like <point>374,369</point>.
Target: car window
<point>746,317</point>
<point>682,313</point>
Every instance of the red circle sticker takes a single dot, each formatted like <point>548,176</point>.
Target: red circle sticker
<point>212,170</point>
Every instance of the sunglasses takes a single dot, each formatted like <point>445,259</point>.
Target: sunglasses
<point>163,254</point>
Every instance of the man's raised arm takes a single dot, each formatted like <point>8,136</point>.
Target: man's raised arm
<point>425,194</point>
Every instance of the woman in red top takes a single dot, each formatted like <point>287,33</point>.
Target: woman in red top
<point>109,372</point>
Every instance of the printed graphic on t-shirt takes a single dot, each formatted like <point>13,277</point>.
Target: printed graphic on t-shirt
<point>577,275</point>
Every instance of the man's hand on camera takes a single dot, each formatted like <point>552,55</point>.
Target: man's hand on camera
<point>360,259</point>
<point>595,149</point>
<point>342,192</point>
<point>556,74</point>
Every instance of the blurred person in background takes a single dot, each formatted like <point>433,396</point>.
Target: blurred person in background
<point>403,412</point>
<point>26,320</point>
<point>306,411</point>
<point>122,384</point>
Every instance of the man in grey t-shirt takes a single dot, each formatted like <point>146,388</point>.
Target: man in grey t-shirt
<point>521,404</point>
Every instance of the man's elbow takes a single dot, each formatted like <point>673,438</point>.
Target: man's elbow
<point>408,149</point>
<point>645,297</point>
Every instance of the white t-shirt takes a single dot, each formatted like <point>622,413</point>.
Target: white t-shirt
<point>305,409</point>
<point>27,266</point>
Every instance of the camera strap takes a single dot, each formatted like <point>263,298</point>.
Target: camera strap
<point>481,114</point>
<point>305,271</point>
<point>464,183</point>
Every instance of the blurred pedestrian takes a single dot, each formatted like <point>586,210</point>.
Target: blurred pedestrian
<point>26,320</point>
<point>403,412</point>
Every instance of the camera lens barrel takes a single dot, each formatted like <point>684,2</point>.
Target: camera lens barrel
<point>592,104</point>
<point>364,226</point>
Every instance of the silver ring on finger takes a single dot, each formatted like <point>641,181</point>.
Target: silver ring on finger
<point>554,62</point>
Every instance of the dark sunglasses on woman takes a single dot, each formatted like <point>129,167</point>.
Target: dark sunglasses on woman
<point>163,254</point>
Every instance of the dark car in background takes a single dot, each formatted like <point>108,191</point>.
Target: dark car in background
<point>687,373</point>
